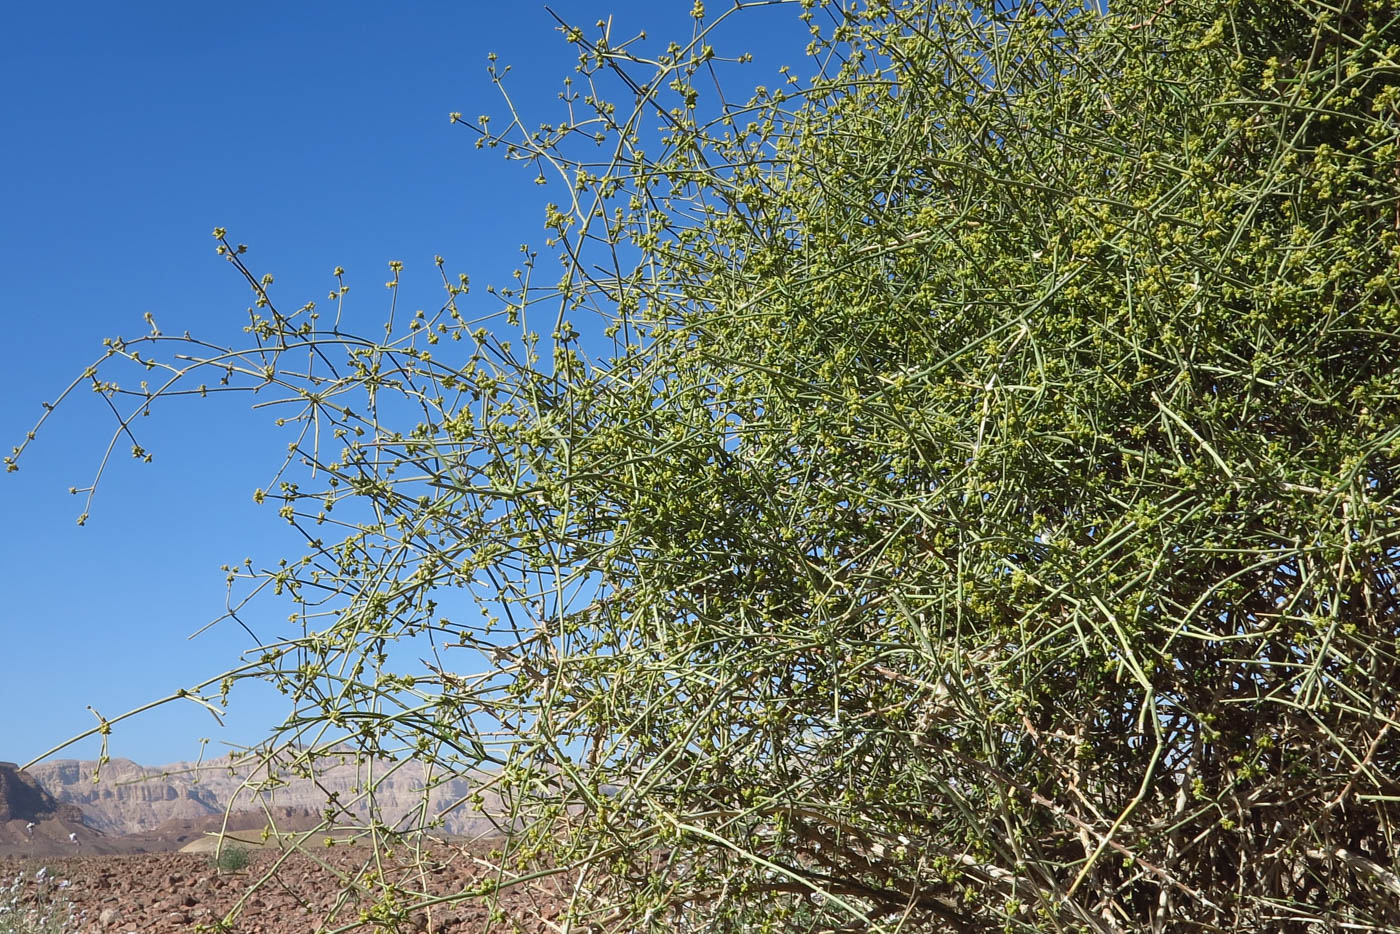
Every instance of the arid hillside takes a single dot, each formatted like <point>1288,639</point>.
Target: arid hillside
<point>129,798</point>
<point>33,820</point>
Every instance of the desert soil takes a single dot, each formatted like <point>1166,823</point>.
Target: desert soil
<point>155,893</point>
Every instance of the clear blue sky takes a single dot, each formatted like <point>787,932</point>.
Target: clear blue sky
<point>316,133</point>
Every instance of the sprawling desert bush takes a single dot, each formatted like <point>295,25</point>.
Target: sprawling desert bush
<point>952,489</point>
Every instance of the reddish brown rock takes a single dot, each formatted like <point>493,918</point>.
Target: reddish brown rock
<point>140,897</point>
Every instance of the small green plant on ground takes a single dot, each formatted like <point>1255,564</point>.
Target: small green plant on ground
<point>230,858</point>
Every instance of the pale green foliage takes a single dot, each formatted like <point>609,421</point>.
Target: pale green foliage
<point>230,858</point>
<point>33,901</point>
<point>986,518</point>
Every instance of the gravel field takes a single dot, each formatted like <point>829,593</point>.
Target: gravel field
<point>155,893</point>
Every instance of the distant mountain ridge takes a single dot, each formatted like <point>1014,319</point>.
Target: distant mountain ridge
<point>129,798</point>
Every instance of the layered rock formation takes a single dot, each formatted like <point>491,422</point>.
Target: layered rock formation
<point>129,798</point>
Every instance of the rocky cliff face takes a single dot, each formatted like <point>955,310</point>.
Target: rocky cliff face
<point>129,798</point>
<point>23,798</point>
<point>33,818</point>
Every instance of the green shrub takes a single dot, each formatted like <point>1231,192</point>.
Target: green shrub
<point>983,517</point>
<point>230,858</point>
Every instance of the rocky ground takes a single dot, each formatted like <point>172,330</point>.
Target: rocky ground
<point>291,893</point>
